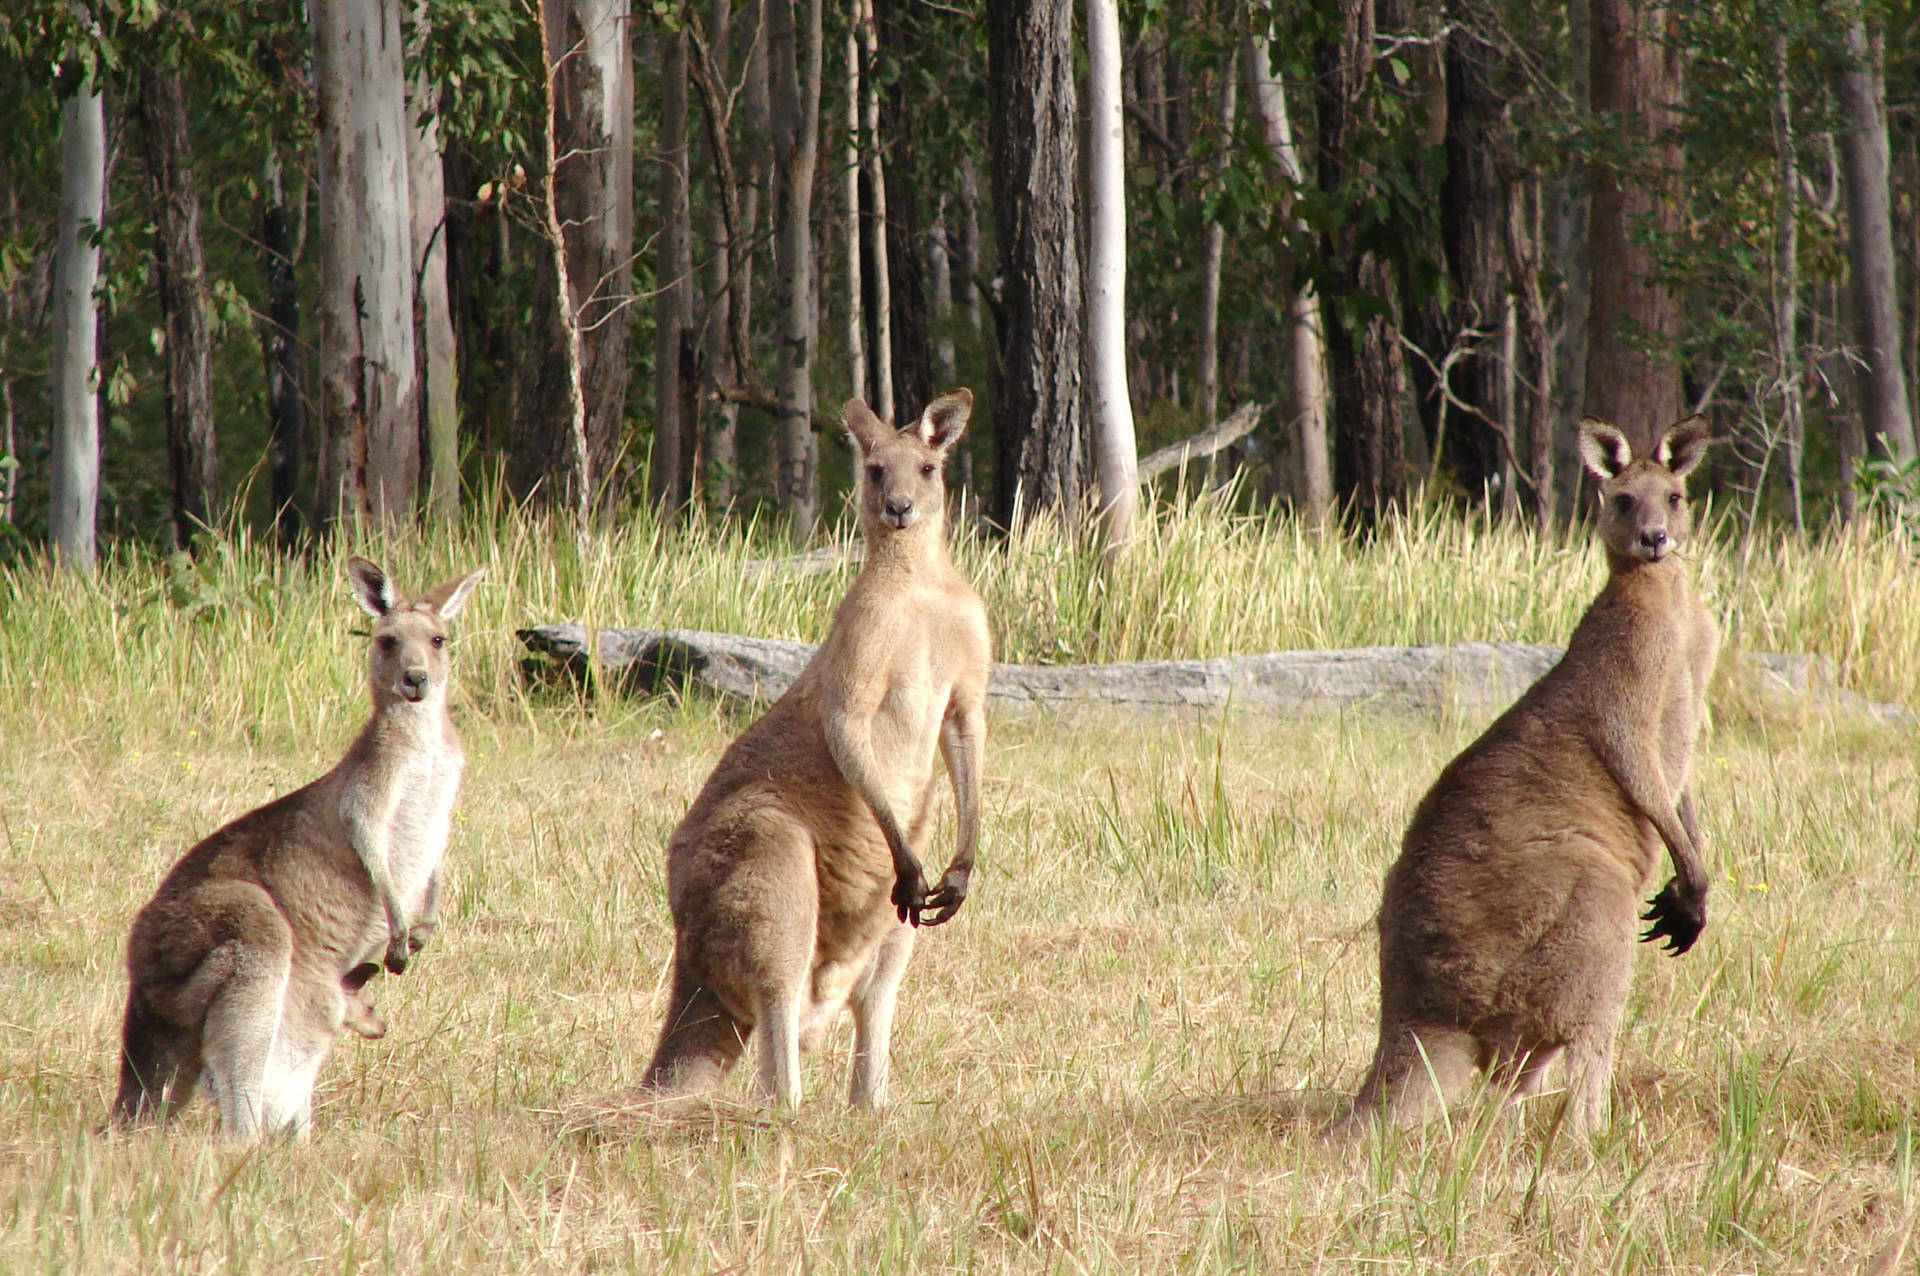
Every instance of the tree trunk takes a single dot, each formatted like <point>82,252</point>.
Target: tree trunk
<point>280,347</point>
<point>1032,133</point>
<point>179,267</point>
<point>1369,369</point>
<point>439,371</point>
<point>1572,262</point>
<point>731,275</point>
<point>1884,406</point>
<point>75,461</point>
<point>911,368</point>
<point>878,273</point>
<point>1533,359</point>
<point>860,374</point>
<point>1636,81</point>
<point>946,359</point>
<point>970,255</point>
<point>590,320</point>
<point>1305,333</point>
<point>794,48</point>
<point>1473,217</point>
<point>1786,285</point>
<point>1113,440</point>
<point>673,300</point>
<point>1211,264</point>
<point>369,389</point>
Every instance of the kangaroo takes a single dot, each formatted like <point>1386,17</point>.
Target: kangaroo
<point>1506,927</point>
<point>254,954</point>
<point>793,881</point>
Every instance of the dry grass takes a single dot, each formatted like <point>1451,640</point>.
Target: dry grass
<point>1113,1060</point>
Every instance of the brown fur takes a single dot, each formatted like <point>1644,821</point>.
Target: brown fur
<point>254,953</point>
<point>794,875</point>
<point>1506,928</point>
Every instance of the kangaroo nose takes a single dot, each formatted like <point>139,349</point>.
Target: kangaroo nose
<point>1654,538</point>
<point>899,507</point>
<point>414,680</point>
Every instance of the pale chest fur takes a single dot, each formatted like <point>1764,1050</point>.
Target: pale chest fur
<point>425,789</point>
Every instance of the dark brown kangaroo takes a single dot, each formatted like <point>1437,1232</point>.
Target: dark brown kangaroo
<point>1506,928</point>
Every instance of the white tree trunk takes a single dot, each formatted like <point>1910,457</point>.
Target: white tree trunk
<point>1306,330</point>
<point>76,408</point>
<point>1884,402</point>
<point>440,432</point>
<point>369,385</point>
<point>940,280</point>
<point>1114,454</point>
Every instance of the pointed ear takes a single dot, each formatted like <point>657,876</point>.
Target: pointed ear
<point>945,419</point>
<point>864,426</point>
<point>371,588</point>
<point>1604,449</point>
<point>448,597</point>
<point>1683,446</point>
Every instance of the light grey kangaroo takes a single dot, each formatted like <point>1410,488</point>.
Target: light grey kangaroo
<point>252,957</point>
<point>795,880</point>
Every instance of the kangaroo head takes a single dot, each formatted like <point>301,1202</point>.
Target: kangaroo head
<point>901,484</point>
<point>408,660</point>
<point>1643,501</point>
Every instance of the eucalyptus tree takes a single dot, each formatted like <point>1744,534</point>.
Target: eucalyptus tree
<point>369,382</point>
<point>1040,457</point>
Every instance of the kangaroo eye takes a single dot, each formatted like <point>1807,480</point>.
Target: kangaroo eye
<point>1623,503</point>
<point>926,471</point>
<point>1673,500</point>
<point>389,644</point>
<point>875,473</point>
<point>439,640</point>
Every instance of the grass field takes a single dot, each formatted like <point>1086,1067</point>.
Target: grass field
<point>1114,1059</point>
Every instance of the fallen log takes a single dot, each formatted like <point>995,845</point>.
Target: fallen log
<point>1472,678</point>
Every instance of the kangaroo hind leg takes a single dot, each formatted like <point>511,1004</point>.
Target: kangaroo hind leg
<point>159,1066</point>
<point>699,1043</point>
<point>873,1001</point>
<point>1416,1074</point>
<point>243,1019</point>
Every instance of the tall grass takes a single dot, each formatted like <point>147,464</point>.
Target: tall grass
<point>1200,582</point>
<point>1113,1060</point>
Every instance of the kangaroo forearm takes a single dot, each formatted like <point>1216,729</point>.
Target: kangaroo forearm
<point>854,756</point>
<point>1683,846</point>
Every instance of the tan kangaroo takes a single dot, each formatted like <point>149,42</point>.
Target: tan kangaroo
<point>793,877</point>
<point>1506,928</point>
<point>254,954</point>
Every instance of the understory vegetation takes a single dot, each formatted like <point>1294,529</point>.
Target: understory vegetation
<point>1118,1055</point>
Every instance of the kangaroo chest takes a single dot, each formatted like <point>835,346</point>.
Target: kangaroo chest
<point>417,831</point>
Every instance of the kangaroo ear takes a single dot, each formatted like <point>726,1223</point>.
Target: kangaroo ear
<point>864,426</point>
<point>448,597</point>
<point>1604,449</point>
<point>1683,446</point>
<point>371,588</point>
<point>945,419</point>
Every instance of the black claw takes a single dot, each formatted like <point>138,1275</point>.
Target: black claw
<point>1679,924</point>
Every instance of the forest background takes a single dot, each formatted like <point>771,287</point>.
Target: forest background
<point>282,265</point>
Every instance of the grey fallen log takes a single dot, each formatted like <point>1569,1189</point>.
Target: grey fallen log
<point>1475,678</point>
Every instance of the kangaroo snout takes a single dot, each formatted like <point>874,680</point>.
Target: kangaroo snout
<point>1653,542</point>
<point>899,510</point>
<point>413,684</point>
